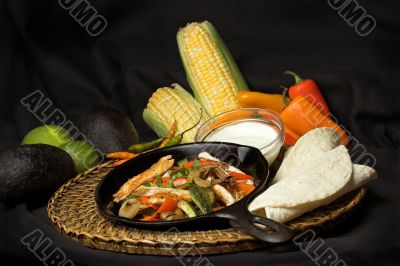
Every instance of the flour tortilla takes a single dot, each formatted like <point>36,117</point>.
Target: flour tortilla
<point>321,178</point>
<point>360,176</point>
<point>305,151</point>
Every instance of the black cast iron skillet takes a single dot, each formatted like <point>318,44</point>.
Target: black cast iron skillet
<point>248,159</point>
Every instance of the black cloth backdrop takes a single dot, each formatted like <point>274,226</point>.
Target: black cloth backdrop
<point>43,47</point>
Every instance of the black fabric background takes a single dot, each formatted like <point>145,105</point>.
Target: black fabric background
<point>42,47</point>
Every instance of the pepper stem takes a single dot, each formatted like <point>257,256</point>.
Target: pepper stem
<point>195,125</point>
<point>284,97</point>
<point>297,78</point>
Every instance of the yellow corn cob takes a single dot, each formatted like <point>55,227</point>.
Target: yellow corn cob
<point>212,73</point>
<point>169,104</point>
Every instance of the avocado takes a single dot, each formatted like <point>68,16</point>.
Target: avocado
<point>108,129</point>
<point>82,153</point>
<point>34,171</point>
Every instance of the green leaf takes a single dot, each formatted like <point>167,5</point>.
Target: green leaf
<point>181,162</point>
<point>159,182</point>
<point>180,173</point>
<point>131,196</point>
<point>148,184</point>
<point>196,164</point>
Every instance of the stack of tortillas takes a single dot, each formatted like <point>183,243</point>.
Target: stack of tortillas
<point>314,172</point>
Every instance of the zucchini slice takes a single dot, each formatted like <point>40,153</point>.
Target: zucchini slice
<point>201,199</point>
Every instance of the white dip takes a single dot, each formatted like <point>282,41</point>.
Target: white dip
<point>255,134</point>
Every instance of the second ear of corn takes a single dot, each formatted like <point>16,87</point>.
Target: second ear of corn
<point>213,76</point>
<point>170,104</point>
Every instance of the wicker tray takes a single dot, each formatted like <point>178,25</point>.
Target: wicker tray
<point>73,211</point>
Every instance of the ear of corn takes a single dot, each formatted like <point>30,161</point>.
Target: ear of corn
<point>212,73</point>
<point>169,104</point>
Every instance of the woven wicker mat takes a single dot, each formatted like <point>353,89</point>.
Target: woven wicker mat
<point>73,211</point>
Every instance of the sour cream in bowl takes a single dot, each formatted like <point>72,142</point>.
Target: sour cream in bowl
<point>259,128</point>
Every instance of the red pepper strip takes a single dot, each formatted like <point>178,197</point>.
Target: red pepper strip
<point>240,176</point>
<point>308,88</point>
<point>164,181</point>
<point>144,200</point>
<point>179,181</point>
<point>120,162</point>
<point>168,205</point>
<point>245,188</point>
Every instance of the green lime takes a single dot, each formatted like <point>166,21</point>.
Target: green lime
<point>49,134</point>
<point>82,153</point>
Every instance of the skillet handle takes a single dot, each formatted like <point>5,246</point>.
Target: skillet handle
<point>280,232</point>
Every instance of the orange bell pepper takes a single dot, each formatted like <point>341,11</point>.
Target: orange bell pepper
<point>290,136</point>
<point>301,116</point>
<point>261,100</point>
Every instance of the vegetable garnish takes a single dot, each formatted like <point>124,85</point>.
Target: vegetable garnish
<point>200,186</point>
<point>159,181</point>
<point>196,164</point>
<point>181,172</point>
<point>187,208</point>
<point>201,199</point>
<point>179,182</point>
<point>182,162</point>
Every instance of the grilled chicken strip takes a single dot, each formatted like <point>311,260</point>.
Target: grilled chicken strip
<point>133,183</point>
<point>178,194</point>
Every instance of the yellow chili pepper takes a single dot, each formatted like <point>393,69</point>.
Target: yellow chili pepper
<point>261,100</point>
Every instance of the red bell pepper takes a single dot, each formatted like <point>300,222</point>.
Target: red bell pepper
<point>308,88</point>
<point>240,176</point>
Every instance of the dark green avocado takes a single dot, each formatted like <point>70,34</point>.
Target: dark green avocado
<point>31,172</point>
<point>108,129</point>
